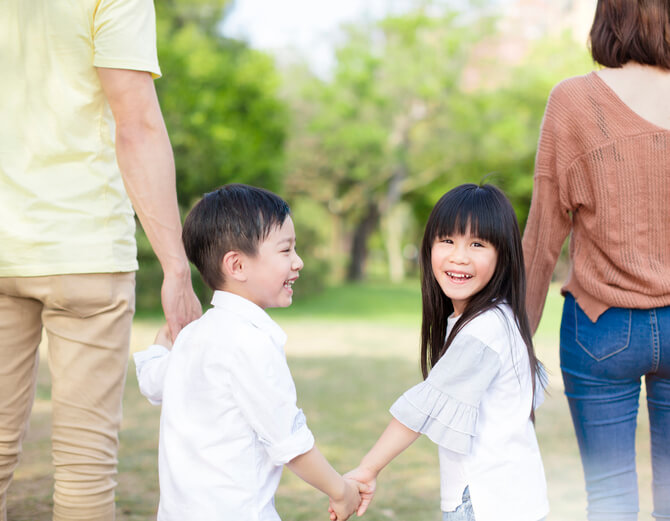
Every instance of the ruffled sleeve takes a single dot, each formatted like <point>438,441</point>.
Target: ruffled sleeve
<point>445,406</point>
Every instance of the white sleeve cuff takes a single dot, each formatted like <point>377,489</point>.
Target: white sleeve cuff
<point>300,441</point>
<point>150,381</point>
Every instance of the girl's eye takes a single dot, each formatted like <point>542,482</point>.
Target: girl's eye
<point>447,241</point>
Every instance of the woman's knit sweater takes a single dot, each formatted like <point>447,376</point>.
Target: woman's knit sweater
<point>602,172</point>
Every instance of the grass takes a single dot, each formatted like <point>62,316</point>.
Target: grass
<point>378,302</point>
<point>352,350</point>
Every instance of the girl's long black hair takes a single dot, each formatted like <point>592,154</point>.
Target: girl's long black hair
<point>485,212</point>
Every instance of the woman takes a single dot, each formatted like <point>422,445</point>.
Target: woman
<point>602,174</point>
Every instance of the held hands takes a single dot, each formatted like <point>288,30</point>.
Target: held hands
<point>366,480</point>
<point>341,509</point>
<point>163,337</point>
<point>369,479</point>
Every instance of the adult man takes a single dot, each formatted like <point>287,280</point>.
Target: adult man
<point>76,98</point>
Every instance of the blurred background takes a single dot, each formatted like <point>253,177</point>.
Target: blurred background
<point>361,113</point>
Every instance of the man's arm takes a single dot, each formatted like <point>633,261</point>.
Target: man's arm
<point>144,155</point>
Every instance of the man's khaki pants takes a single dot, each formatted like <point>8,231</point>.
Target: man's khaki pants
<point>87,319</point>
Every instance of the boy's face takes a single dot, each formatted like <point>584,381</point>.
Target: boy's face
<point>273,270</point>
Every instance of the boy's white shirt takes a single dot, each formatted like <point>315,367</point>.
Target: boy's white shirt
<point>501,463</point>
<point>150,367</point>
<point>229,419</point>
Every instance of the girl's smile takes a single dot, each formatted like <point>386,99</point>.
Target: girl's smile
<point>462,265</point>
<point>458,278</point>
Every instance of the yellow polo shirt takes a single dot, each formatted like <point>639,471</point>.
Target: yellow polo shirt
<point>63,207</point>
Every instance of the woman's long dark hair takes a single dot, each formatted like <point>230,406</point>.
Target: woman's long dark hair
<point>485,212</point>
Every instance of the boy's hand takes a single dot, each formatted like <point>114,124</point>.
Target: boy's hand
<point>163,337</point>
<point>368,480</point>
<point>341,509</point>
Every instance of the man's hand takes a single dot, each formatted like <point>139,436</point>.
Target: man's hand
<point>163,337</point>
<point>180,304</point>
<point>145,159</point>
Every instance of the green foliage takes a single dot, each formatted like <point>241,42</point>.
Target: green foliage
<point>499,125</point>
<point>419,103</point>
<point>312,236</point>
<point>375,128</point>
<point>220,101</point>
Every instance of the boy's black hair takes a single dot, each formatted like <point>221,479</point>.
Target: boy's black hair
<point>236,217</point>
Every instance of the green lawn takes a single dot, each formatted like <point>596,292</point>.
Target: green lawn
<point>352,351</point>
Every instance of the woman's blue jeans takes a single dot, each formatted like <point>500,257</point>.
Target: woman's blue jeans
<point>602,365</point>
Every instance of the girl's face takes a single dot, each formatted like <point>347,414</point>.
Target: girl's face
<point>462,265</point>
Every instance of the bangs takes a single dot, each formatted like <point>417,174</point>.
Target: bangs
<point>472,210</point>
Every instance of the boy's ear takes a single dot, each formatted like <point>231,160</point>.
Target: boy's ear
<point>232,266</point>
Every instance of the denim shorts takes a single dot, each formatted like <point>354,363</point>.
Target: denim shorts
<point>464,511</point>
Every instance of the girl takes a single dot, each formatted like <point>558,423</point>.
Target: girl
<point>479,366</point>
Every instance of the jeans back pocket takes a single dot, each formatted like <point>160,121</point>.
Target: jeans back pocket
<point>605,337</point>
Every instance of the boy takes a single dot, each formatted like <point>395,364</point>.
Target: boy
<point>229,420</point>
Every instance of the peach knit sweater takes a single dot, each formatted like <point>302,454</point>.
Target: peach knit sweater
<point>602,172</point>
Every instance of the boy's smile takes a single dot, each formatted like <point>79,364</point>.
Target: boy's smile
<point>274,269</point>
<point>462,265</point>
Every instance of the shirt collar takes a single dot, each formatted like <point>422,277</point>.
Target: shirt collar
<point>251,312</point>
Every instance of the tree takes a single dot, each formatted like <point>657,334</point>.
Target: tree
<point>370,140</point>
<point>419,103</point>
<point>221,104</point>
<point>220,100</point>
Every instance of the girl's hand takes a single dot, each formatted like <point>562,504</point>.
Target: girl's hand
<point>341,509</point>
<point>369,478</point>
<point>163,337</point>
<point>367,484</point>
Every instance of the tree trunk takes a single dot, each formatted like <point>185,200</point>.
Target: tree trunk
<point>400,141</point>
<point>359,243</point>
<point>394,228</point>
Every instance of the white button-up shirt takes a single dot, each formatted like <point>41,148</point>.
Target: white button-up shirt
<point>475,404</point>
<point>229,420</point>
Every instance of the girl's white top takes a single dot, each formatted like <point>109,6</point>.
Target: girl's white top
<point>475,404</point>
<point>229,420</point>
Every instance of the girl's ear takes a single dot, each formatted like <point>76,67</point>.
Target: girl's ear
<point>232,266</point>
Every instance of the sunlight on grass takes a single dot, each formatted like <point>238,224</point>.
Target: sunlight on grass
<point>352,351</point>
<point>398,303</point>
